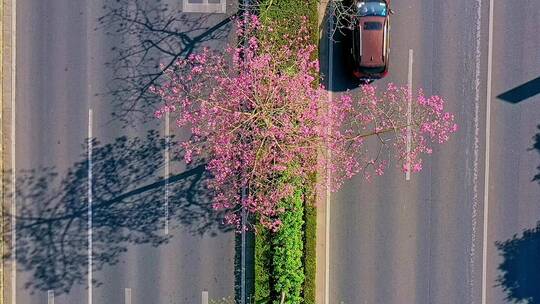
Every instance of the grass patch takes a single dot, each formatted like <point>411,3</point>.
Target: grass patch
<point>288,15</point>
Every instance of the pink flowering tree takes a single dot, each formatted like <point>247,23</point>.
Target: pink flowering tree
<point>367,131</point>
<point>254,113</point>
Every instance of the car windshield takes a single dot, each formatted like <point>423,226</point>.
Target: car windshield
<point>372,26</point>
<point>373,70</point>
<point>371,9</point>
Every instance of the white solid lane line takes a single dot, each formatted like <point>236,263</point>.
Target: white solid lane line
<point>486,172</point>
<point>409,113</point>
<point>127,295</point>
<point>243,255</point>
<point>328,155</point>
<point>90,262</point>
<point>167,170</point>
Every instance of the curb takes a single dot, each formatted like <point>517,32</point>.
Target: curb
<point>321,199</point>
<point>2,155</point>
<point>7,42</point>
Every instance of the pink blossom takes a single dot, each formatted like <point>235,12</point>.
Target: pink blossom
<point>254,118</point>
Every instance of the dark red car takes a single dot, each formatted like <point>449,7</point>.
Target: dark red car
<point>370,34</point>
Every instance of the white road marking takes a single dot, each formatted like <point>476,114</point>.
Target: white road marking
<point>127,295</point>
<point>409,113</point>
<point>90,262</point>
<point>204,297</point>
<point>243,255</point>
<point>204,7</point>
<point>328,156</point>
<point>486,172</point>
<point>167,170</point>
<point>50,297</point>
<point>13,167</point>
<point>244,221</point>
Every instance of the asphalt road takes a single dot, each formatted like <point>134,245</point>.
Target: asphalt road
<point>77,56</point>
<point>420,241</point>
<point>514,181</point>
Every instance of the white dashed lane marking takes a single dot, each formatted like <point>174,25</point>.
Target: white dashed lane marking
<point>409,113</point>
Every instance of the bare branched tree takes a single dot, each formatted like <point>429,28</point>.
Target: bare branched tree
<point>342,12</point>
<point>149,37</point>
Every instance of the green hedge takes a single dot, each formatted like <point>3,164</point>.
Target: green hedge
<point>263,265</point>
<point>288,251</point>
<point>279,256</point>
<point>265,245</point>
<point>310,252</point>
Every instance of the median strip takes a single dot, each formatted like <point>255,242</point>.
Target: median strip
<point>299,223</point>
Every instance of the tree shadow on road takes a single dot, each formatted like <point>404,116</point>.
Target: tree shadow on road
<point>536,146</point>
<point>128,207</point>
<point>519,272</point>
<point>522,92</point>
<point>146,34</point>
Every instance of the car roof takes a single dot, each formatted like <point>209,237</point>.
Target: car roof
<point>372,35</point>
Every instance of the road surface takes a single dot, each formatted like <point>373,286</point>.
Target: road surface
<point>514,180</point>
<point>79,68</point>
<point>420,241</point>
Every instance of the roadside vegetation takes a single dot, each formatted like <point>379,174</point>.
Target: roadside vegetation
<point>300,218</point>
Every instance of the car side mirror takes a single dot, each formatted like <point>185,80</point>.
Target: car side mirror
<point>391,11</point>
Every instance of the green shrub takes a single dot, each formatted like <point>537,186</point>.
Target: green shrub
<point>288,250</point>
<point>229,300</point>
<point>263,265</point>
<point>310,254</point>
